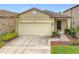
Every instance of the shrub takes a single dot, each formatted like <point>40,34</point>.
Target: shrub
<point>67,31</point>
<point>2,44</point>
<point>9,36</point>
<point>77,29</point>
<point>71,32</point>
<point>55,34</point>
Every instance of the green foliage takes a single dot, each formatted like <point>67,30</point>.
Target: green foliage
<point>55,34</point>
<point>8,37</point>
<point>67,31</point>
<point>60,49</point>
<point>77,29</point>
<point>2,44</point>
<point>75,32</point>
<point>71,32</point>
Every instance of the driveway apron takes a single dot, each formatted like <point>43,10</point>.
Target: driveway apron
<point>27,45</point>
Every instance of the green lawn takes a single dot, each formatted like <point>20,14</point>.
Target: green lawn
<point>64,49</point>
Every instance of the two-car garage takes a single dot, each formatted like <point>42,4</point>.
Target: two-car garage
<point>34,22</point>
<point>34,28</point>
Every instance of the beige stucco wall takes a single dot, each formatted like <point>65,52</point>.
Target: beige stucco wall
<point>63,24</point>
<point>75,15</point>
<point>39,17</point>
<point>69,23</point>
<point>52,24</point>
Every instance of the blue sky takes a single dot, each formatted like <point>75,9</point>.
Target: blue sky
<point>23,7</point>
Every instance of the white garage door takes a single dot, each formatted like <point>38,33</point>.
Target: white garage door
<point>30,28</point>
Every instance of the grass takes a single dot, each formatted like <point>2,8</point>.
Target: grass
<point>60,49</point>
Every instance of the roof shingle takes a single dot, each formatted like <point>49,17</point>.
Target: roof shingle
<point>55,14</point>
<point>5,13</point>
<point>50,13</point>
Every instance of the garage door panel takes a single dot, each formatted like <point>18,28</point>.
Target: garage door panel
<point>35,28</point>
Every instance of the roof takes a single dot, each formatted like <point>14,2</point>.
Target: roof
<point>5,13</point>
<point>50,13</point>
<point>32,9</point>
<point>72,7</point>
<point>55,14</point>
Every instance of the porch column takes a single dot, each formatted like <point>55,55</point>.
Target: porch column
<point>66,23</point>
<point>63,24</point>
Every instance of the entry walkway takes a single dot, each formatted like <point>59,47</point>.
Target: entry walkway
<point>62,38</point>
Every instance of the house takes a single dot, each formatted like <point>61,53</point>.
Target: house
<point>41,22</point>
<point>74,13</point>
<point>7,21</point>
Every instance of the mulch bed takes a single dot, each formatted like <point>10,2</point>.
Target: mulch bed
<point>59,43</point>
<point>64,43</point>
<point>71,38</point>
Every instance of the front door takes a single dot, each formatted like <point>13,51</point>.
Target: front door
<point>59,25</point>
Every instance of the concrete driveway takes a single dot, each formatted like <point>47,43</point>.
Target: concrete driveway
<point>27,44</point>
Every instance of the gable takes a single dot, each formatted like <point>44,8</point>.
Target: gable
<point>34,15</point>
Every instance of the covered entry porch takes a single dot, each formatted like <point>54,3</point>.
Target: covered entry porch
<point>61,23</point>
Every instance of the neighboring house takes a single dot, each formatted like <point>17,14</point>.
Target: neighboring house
<point>41,22</point>
<point>74,13</point>
<point>7,21</point>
